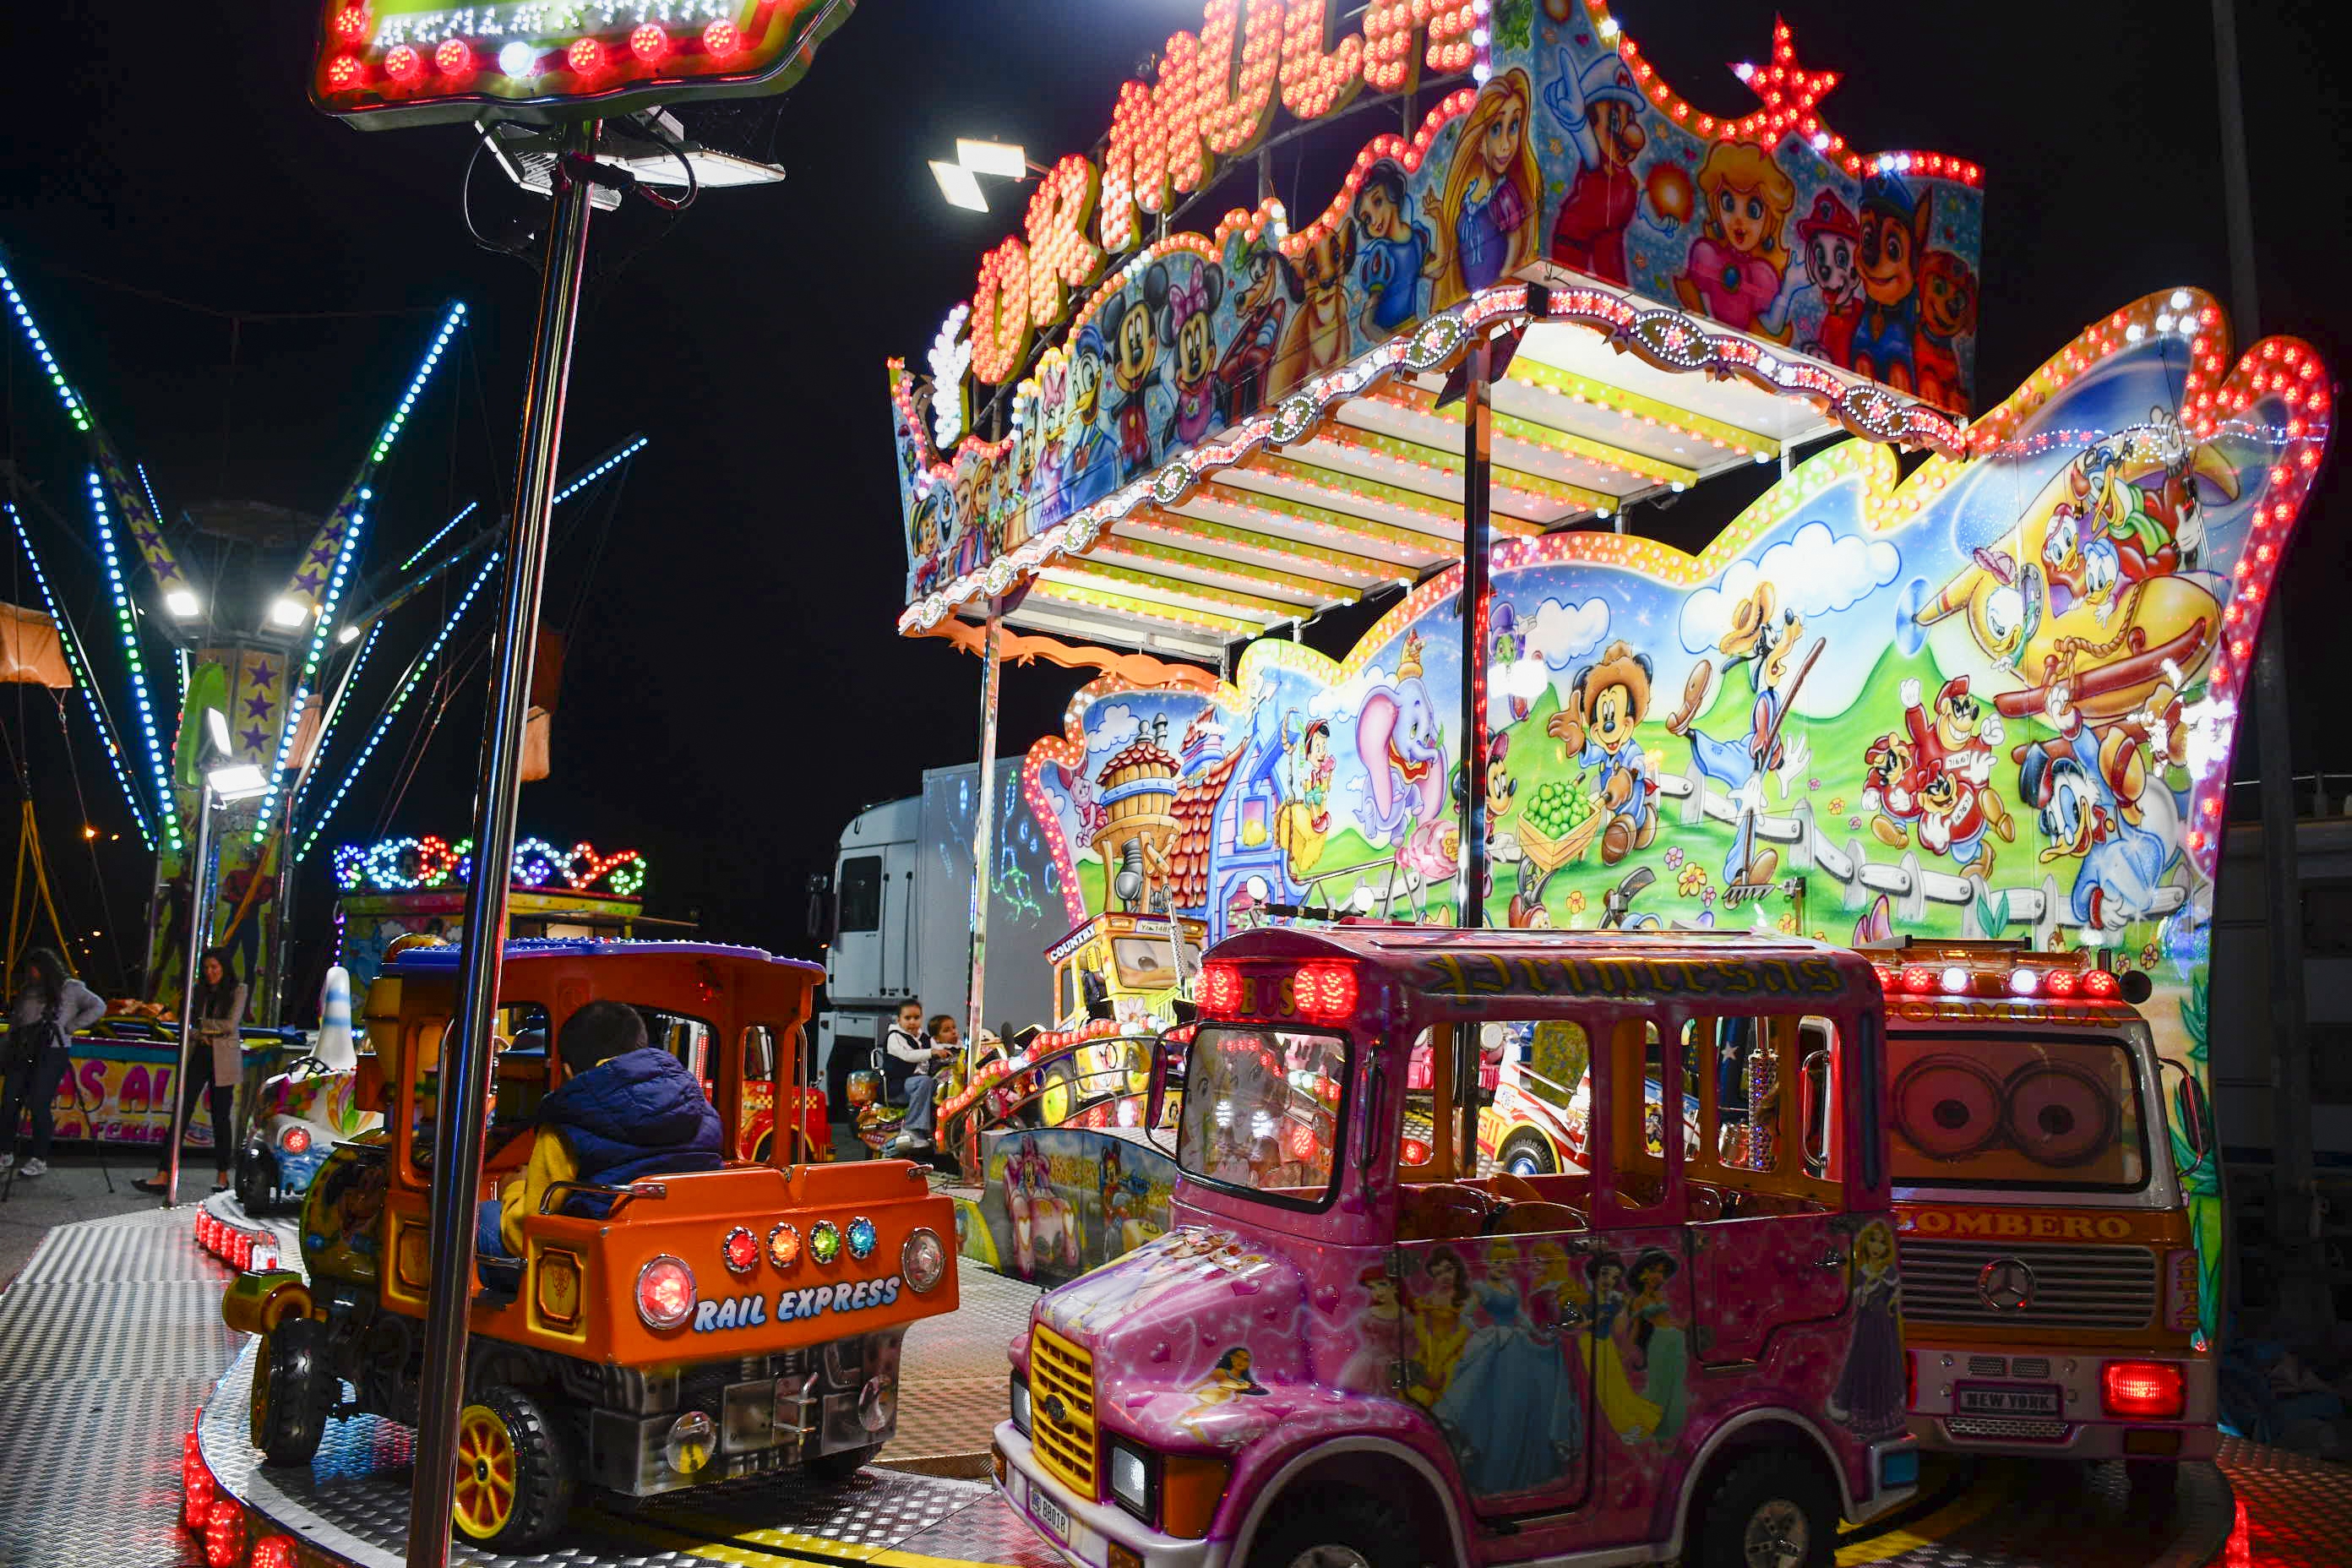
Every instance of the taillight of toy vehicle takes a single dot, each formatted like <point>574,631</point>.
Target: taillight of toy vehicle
<point>665,1293</point>
<point>741,1250</point>
<point>294,1141</point>
<point>922,1259</point>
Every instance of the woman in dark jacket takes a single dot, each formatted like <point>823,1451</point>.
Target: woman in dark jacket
<point>216,1010</point>
<point>39,1057</point>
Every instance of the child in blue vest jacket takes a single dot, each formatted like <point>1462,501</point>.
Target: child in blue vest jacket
<point>623,1111</point>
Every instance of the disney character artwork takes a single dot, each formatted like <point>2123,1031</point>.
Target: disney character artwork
<point>1230,1380</point>
<point>1597,103</point>
<point>1487,213</point>
<point>1397,256</point>
<point>1870,1397</point>
<point>1509,1409</point>
<point>1735,265</point>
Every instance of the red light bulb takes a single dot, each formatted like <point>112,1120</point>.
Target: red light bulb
<point>721,38</point>
<point>648,43</point>
<point>344,73</point>
<point>350,23</point>
<point>586,56</point>
<point>402,63</point>
<point>454,57</point>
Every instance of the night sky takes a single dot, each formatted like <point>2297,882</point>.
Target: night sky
<point>734,690</point>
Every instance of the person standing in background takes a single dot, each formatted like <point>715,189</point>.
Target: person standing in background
<point>217,1009</point>
<point>50,1006</point>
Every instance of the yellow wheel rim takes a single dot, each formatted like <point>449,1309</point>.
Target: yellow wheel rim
<point>1057,1101</point>
<point>486,1473</point>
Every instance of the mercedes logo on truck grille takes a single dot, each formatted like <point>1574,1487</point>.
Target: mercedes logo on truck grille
<point>2006,1285</point>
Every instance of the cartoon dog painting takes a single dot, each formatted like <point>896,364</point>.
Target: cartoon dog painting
<point>1894,240</point>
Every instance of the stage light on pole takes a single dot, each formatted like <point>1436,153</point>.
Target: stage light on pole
<point>349,634</point>
<point>183,604</point>
<point>237,780</point>
<point>957,183</point>
<point>289,613</point>
<point>216,724</point>
<point>1006,160</point>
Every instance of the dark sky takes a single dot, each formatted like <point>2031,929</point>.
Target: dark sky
<point>734,689</point>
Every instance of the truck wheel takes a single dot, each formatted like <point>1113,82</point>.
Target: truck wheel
<point>294,1386</point>
<point>256,1180</point>
<point>514,1472</point>
<point>1770,1510</point>
<point>1527,1153</point>
<point>835,1468</point>
<point>1338,1530</point>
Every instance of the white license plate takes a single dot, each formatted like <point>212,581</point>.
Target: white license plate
<point>1048,1512</point>
<point>2042,1399</point>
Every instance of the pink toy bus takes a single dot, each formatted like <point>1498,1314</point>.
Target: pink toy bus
<point>1351,1352</point>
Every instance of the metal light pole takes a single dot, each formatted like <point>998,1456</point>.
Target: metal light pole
<point>1478,425</point>
<point>466,1056</point>
<point>2302,1295</point>
<point>983,838</point>
<point>199,928</point>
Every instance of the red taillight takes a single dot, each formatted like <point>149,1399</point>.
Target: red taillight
<point>1416,1153</point>
<point>720,40</point>
<point>2059,983</point>
<point>648,42</point>
<point>274,1552</point>
<point>664,1293</point>
<point>741,1250</point>
<point>403,63</point>
<point>296,1141</point>
<point>1888,979</point>
<point>2153,1389</point>
<point>586,56</point>
<point>1919,979</point>
<point>1220,988</point>
<point>1325,993</point>
<point>454,56</point>
<point>352,24</point>
<point>344,73</point>
<point>2100,985</point>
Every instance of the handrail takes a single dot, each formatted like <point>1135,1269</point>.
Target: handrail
<point>620,1196</point>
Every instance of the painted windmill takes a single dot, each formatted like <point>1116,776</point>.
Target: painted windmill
<point>253,711</point>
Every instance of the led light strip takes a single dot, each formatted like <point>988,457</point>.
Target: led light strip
<point>334,717</point>
<point>399,700</point>
<point>76,409</point>
<point>289,721</point>
<point>120,592</point>
<point>79,663</point>
<point>438,535</point>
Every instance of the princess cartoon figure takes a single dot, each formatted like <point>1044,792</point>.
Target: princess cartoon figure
<point>1735,265</point>
<point>1230,1380</point>
<point>1605,1342</point>
<point>1380,1335</point>
<point>1658,1342</point>
<point>1486,213</point>
<point>1441,1325</point>
<point>1511,1410</point>
<point>1870,1395</point>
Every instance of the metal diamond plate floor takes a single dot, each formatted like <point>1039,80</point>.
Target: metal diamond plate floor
<point>113,1337</point>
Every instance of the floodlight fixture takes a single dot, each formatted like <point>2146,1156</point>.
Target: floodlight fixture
<point>217,726</point>
<point>183,604</point>
<point>958,184</point>
<point>237,780</point>
<point>1006,159</point>
<point>289,613</point>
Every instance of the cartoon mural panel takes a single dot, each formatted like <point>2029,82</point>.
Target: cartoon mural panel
<point>1572,153</point>
<point>1994,699</point>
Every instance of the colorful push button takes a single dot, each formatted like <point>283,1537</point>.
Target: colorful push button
<point>825,1241</point>
<point>862,1238</point>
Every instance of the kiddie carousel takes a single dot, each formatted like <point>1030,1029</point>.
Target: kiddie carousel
<point>1992,699</point>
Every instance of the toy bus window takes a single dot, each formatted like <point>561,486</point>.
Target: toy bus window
<point>1417,1151</point>
<point>1148,963</point>
<point>688,1039</point>
<point>1554,1069</point>
<point>1068,977</point>
<point>1747,1091</point>
<point>1653,1097</point>
<point>1816,1053</point>
<point>1641,1177</point>
<point>861,893</point>
<point>420,1051</point>
<point>759,1053</point>
<point>522,1066</point>
<point>1263,1113</point>
<point>1975,1110</point>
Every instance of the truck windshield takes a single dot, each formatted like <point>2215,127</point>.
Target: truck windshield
<point>1148,963</point>
<point>1262,1112</point>
<point>2024,1112</point>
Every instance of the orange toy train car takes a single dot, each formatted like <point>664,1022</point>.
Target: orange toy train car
<point>677,1330</point>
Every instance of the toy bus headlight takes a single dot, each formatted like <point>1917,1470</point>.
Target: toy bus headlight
<point>1130,1479</point>
<point>693,1436</point>
<point>2024,982</point>
<point>665,1293</point>
<point>1020,1403</point>
<point>922,1259</point>
<point>294,1141</point>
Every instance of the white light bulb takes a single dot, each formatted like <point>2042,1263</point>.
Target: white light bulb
<point>519,60</point>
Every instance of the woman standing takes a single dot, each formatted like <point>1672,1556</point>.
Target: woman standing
<point>217,1009</point>
<point>50,1006</point>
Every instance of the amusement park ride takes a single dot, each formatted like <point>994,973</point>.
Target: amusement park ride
<point>1647,1056</point>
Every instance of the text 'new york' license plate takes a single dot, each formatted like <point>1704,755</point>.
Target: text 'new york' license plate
<point>1979,1399</point>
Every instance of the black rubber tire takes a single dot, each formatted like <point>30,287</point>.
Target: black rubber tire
<point>545,1477</point>
<point>256,1180</point>
<point>1534,1147</point>
<point>1741,1493</point>
<point>294,1386</point>
<point>835,1468</point>
<point>1380,1532</point>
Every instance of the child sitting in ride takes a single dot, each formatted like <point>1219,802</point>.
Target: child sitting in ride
<point>623,1111</point>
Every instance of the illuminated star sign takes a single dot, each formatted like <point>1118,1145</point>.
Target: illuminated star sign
<point>1788,91</point>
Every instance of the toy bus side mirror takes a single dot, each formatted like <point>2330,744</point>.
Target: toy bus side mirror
<point>2196,1110</point>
